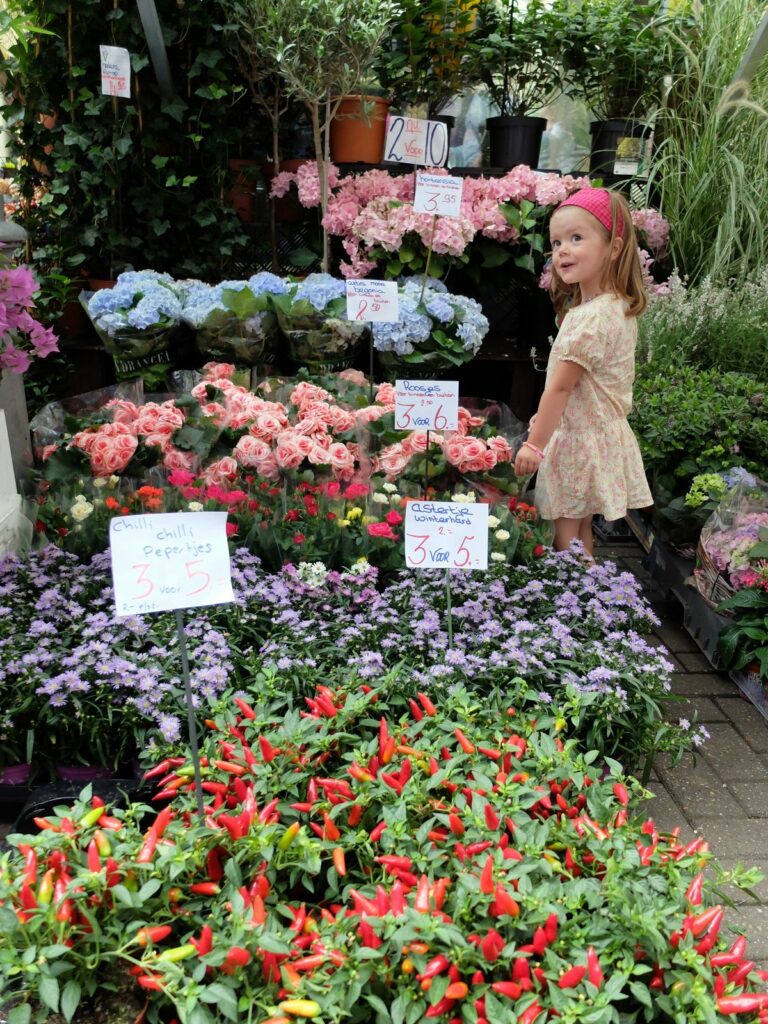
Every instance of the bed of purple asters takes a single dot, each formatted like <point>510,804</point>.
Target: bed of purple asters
<point>83,685</point>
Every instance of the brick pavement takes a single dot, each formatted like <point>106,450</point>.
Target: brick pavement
<point>722,794</point>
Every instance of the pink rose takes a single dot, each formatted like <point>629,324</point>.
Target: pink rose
<point>385,395</point>
<point>500,447</point>
<point>185,461</point>
<point>355,491</point>
<point>287,454</point>
<point>250,451</point>
<point>122,410</point>
<point>393,517</point>
<point>341,460</point>
<point>392,460</point>
<point>212,371</point>
<point>112,454</point>
<point>354,377</point>
<point>267,425</point>
<point>222,471</point>
<point>370,413</point>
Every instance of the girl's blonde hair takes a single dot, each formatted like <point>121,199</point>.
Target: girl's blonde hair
<point>624,277</point>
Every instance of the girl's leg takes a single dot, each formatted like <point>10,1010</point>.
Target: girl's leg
<point>585,535</point>
<point>566,530</point>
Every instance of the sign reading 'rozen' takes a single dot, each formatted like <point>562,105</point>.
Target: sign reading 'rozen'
<point>426,404</point>
<point>169,560</point>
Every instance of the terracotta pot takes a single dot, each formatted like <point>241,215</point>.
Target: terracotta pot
<point>358,130</point>
<point>241,194</point>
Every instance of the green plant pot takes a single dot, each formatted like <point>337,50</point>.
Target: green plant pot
<point>135,352</point>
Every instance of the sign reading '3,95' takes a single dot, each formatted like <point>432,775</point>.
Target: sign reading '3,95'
<point>446,535</point>
<point>169,560</point>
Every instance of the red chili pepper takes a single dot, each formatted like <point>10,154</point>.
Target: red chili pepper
<point>572,977</point>
<point>457,990</point>
<point>455,824</point>
<point>437,965</point>
<point>339,861</point>
<point>441,1007</point>
<point>700,924</point>
<point>740,975</point>
<point>94,857</point>
<point>245,709</point>
<point>529,1016</point>
<point>150,984</point>
<point>230,768</point>
<point>377,831</point>
<point>30,866</point>
<point>421,903</point>
<point>416,711</point>
<point>153,934</point>
<point>491,817</point>
<point>63,904</point>
<point>205,889</point>
<point>510,989</point>
<point>466,745</point>
<point>147,852</point>
<point>594,970</point>
<point>486,876</point>
<point>236,957</point>
<point>539,941</point>
<point>426,703</point>
<point>694,890</point>
<point>621,793</point>
<point>268,752</point>
<point>205,943</point>
<point>746,1003</point>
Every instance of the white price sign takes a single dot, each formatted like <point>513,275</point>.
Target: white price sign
<point>438,193</point>
<point>446,535</point>
<point>115,71</point>
<point>426,404</point>
<point>412,140</point>
<point>372,301</point>
<point>169,560</point>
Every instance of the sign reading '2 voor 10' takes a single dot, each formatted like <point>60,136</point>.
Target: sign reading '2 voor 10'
<point>446,535</point>
<point>169,560</point>
<point>412,140</point>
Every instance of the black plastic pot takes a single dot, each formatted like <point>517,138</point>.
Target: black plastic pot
<point>515,140</point>
<point>606,136</point>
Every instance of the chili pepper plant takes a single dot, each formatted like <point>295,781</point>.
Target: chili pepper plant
<point>362,858</point>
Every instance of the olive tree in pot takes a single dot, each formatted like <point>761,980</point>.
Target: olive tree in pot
<point>321,50</point>
<point>513,49</point>
<point>615,56</point>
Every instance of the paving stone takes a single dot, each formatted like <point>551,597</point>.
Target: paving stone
<point>748,721</point>
<point>753,797</point>
<point>743,839</point>
<point>697,789</point>
<point>731,756</point>
<point>741,897</point>
<point>753,922</point>
<point>694,662</point>
<point>701,709</point>
<point>700,684</point>
<point>675,638</point>
<point>665,811</point>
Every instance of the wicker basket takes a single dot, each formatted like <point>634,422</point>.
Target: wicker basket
<point>709,580</point>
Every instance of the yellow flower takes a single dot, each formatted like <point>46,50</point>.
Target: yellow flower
<point>343,522</point>
<point>354,513</point>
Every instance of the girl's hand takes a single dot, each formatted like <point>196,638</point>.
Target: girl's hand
<point>526,461</point>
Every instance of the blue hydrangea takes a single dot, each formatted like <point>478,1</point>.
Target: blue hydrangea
<point>421,313</point>
<point>320,289</point>
<point>139,300</point>
<point>414,328</point>
<point>266,283</point>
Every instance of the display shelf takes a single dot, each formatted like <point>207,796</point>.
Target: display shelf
<point>640,528</point>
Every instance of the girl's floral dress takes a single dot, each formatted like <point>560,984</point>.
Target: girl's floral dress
<point>593,463</point>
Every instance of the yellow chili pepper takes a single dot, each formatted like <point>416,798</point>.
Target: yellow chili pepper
<point>301,1007</point>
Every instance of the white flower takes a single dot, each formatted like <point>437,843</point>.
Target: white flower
<point>501,535</point>
<point>312,573</point>
<point>99,482</point>
<point>81,509</point>
<point>378,496</point>
<point>114,480</point>
<point>471,497</point>
<point>388,487</point>
<point>493,522</point>
<point>498,556</point>
<point>195,506</point>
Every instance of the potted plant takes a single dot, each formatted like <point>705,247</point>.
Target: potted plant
<point>514,54</point>
<point>614,60</point>
<point>321,50</point>
<point>428,57</point>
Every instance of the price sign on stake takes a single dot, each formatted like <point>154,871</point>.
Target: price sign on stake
<point>372,301</point>
<point>426,404</point>
<point>169,560</point>
<point>412,140</point>
<point>438,193</point>
<point>115,71</point>
<point>446,535</point>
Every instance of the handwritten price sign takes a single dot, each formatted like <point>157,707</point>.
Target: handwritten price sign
<point>169,560</point>
<point>412,140</point>
<point>438,193</point>
<point>446,535</point>
<point>372,300</point>
<point>426,404</point>
<point>115,71</point>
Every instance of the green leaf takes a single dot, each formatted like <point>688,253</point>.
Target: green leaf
<point>48,991</point>
<point>382,1013</point>
<point>70,999</point>
<point>224,998</point>
<point>641,993</point>
<point>148,889</point>
<point>20,1014</point>
<point>242,302</point>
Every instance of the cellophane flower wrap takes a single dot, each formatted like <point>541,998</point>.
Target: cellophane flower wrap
<point>234,320</point>
<point>313,318</point>
<point>733,540</point>
<point>134,321</point>
<point>434,328</point>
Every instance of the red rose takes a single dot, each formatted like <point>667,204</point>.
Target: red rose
<point>298,538</point>
<point>393,518</point>
<point>381,530</point>
<point>539,550</point>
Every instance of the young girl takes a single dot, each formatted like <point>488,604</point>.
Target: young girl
<point>580,442</point>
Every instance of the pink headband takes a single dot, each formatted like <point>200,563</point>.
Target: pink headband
<point>596,201</point>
